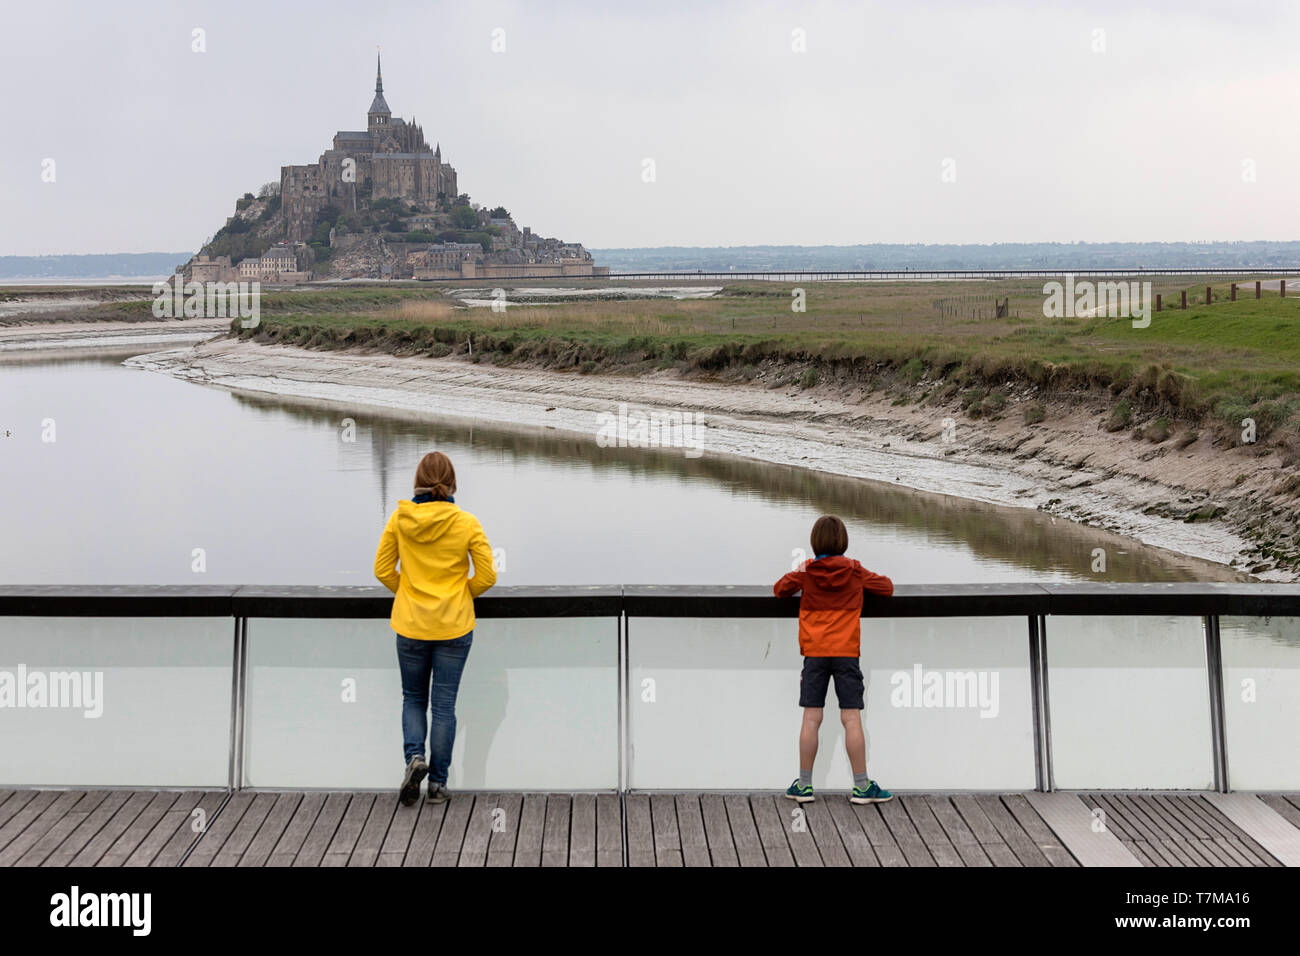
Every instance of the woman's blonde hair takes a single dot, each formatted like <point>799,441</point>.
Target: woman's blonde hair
<point>435,476</point>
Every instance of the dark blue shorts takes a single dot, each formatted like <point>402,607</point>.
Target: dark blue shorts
<point>816,677</point>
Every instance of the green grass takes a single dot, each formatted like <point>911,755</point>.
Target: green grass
<point>1219,363</point>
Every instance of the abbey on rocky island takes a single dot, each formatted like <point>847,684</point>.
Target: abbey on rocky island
<point>389,159</point>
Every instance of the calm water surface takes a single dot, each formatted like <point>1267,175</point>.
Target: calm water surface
<point>150,479</point>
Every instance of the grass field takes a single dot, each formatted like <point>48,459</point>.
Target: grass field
<point>1220,362</point>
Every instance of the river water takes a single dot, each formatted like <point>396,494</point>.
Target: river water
<point>115,475</point>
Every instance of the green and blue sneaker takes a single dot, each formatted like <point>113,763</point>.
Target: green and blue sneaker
<point>873,794</point>
<point>796,791</point>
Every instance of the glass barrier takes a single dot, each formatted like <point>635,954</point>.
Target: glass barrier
<point>1261,701</point>
<point>714,705</point>
<point>115,702</point>
<point>1130,703</point>
<point>537,709</point>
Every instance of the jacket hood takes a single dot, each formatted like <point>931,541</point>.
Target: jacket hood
<point>833,572</point>
<point>425,523</point>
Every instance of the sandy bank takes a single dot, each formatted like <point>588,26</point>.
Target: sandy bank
<point>1066,466</point>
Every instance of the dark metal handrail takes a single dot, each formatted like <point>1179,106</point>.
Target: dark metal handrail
<point>909,600</point>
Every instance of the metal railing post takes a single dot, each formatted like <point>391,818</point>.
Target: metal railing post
<point>1044,779</point>
<point>238,692</point>
<point>1218,728</point>
<point>236,707</point>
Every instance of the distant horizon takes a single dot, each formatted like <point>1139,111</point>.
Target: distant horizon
<point>772,245</point>
<point>1054,257</point>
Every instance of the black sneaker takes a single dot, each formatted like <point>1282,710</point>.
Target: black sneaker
<point>416,771</point>
<point>438,792</point>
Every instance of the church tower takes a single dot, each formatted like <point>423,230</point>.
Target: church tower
<point>379,116</point>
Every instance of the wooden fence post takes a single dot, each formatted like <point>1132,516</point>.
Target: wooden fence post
<point>1157,301</point>
<point>1233,294</point>
<point>1257,288</point>
<point>1184,298</point>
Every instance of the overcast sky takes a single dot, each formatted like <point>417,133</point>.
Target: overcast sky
<point>1062,121</point>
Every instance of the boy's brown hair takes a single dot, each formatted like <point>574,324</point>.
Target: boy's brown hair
<point>829,536</point>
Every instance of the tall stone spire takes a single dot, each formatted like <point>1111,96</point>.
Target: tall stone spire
<point>379,113</point>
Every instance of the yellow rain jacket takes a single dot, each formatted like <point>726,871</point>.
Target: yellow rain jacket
<point>434,594</point>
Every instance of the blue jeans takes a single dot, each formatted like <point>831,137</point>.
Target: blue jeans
<point>442,663</point>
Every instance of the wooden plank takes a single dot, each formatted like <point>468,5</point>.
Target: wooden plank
<point>1184,832</point>
<point>772,829</point>
<point>1283,807</point>
<point>419,852</point>
<point>15,803</point>
<point>717,831</point>
<point>242,835</point>
<point>1270,829</point>
<point>825,833</point>
<point>1013,836</point>
<point>322,830</point>
<point>532,825</point>
<point>501,849</point>
<point>856,845</point>
<point>794,821</point>
<point>86,830</point>
<point>958,832</point>
<point>905,835</point>
<point>141,826</point>
<point>1230,837</point>
<point>1169,839</point>
<point>744,831</point>
<point>1231,842</point>
<point>640,830</point>
<point>882,841</point>
<point>295,832</point>
<point>1048,842</point>
<point>98,845</point>
<point>1114,820</point>
<point>55,836</point>
<point>555,831</point>
<point>663,817</point>
<point>32,810</point>
<point>446,852</point>
<point>932,834</point>
<point>1147,831</point>
<point>609,830</point>
<point>38,825</point>
<point>582,830</point>
<point>984,831</point>
<point>349,830</point>
<point>218,830</point>
<point>269,834</point>
<point>478,831</point>
<point>172,838</point>
<point>393,850</point>
<point>1072,821</point>
<point>690,827</point>
<point>366,852</point>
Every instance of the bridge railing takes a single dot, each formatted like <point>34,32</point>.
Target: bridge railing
<point>980,687</point>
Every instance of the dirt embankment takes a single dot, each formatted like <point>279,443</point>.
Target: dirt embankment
<point>1190,490</point>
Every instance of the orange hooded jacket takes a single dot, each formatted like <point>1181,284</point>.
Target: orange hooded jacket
<point>830,608</point>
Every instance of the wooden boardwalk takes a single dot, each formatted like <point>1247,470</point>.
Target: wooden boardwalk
<point>314,828</point>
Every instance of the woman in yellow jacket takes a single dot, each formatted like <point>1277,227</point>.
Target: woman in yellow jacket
<point>433,613</point>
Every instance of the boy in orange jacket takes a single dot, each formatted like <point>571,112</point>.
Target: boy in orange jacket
<point>830,611</point>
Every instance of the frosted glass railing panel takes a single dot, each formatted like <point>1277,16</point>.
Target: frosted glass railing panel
<point>537,710</point>
<point>714,705</point>
<point>1261,701</point>
<point>115,702</point>
<point>1129,703</point>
